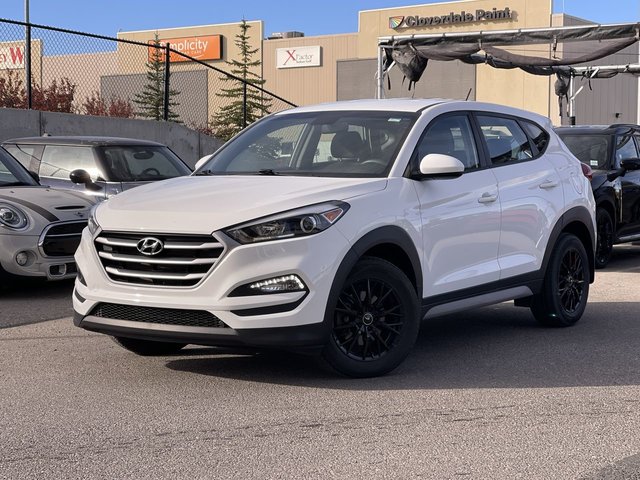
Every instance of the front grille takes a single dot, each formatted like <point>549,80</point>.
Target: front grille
<point>62,239</point>
<point>183,261</point>
<point>164,316</point>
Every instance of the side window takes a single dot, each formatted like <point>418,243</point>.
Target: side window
<point>506,141</point>
<point>59,161</point>
<point>538,136</point>
<point>451,135</point>
<point>625,148</point>
<point>27,155</point>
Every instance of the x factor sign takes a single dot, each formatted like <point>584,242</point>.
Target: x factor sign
<point>296,57</point>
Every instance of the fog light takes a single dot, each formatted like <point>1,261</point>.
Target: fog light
<point>283,284</point>
<point>288,283</point>
<point>22,258</point>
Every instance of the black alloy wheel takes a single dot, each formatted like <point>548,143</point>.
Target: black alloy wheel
<point>375,320</point>
<point>604,245</point>
<point>564,294</point>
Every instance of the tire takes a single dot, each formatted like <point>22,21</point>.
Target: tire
<point>148,348</point>
<point>604,244</point>
<point>564,294</point>
<point>374,321</point>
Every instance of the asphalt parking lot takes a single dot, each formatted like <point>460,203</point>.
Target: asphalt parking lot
<point>487,394</point>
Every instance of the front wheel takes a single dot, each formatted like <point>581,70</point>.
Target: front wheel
<point>147,348</point>
<point>604,245</point>
<point>563,298</point>
<point>375,320</point>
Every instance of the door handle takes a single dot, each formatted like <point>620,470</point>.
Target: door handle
<point>548,184</point>
<point>487,198</point>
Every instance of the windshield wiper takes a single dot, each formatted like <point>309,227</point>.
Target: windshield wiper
<point>267,171</point>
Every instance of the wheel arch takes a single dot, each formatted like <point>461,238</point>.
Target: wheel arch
<point>576,221</point>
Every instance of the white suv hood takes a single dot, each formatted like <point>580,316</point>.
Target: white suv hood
<point>206,204</point>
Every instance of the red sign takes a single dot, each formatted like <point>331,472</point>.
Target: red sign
<point>207,47</point>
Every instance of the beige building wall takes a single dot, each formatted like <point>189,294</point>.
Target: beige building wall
<point>82,70</point>
<point>308,85</point>
<point>132,58</point>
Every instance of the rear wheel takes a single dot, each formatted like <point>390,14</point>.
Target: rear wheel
<point>148,348</point>
<point>375,320</point>
<point>604,245</point>
<point>563,298</point>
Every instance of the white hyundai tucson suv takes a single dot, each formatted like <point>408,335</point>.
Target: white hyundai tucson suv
<point>337,228</point>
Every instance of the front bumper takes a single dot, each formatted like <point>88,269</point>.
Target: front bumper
<point>51,268</point>
<point>292,320</point>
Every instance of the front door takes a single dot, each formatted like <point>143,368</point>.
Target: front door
<point>460,216</point>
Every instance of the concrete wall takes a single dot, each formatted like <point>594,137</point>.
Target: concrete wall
<point>186,143</point>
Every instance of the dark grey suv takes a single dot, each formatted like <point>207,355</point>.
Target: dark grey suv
<point>98,166</point>
<point>613,153</point>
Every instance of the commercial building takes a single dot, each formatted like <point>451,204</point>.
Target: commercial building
<point>307,70</point>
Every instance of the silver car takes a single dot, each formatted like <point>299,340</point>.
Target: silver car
<point>96,166</point>
<point>40,227</point>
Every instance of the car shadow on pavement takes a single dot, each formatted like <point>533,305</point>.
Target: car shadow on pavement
<point>493,347</point>
<point>624,259</point>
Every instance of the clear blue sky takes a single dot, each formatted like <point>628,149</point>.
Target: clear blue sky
<point>322,17</point>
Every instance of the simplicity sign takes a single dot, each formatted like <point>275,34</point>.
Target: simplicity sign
<point>480,15</point>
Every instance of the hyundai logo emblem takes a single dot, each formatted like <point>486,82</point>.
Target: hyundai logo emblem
<point>150,246</point>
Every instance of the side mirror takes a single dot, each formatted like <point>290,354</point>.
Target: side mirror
<point>630,164</point>
<point>201,162</point>
<point>35,176</point>
<point>82,176</point>
<point>438,165</point>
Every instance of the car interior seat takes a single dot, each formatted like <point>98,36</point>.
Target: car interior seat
<point>348,145</point>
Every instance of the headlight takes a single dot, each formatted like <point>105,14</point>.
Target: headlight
<point>294,223</point>
<point>12,217</point>
<point>92,224</point>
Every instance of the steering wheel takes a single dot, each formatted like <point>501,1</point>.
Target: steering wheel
<point>375,161</point>
<point>150,171</point>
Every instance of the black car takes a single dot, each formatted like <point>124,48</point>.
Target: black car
<point>613,153</point>
<point>98,166</point>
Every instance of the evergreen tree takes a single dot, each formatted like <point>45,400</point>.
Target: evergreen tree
<point>230,118</point>
<point>151,100</point>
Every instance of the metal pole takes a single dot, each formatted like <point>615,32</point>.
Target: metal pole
<point>380,83</point>
<point>572,101</point>
<point>27,55</point>
<point>167,63</point>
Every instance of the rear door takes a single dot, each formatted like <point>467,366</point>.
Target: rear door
<point>531,195</point>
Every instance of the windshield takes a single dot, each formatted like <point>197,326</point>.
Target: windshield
<point>330,144</point>
<point>590,149</point>
<point>142,163</point>
<point>12,174</point>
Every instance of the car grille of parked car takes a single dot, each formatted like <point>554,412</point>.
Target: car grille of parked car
<point>172,260</point>
<point>164,316</point>
<point>62,239</point>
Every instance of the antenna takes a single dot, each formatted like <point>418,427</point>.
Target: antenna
<point>468,94</point>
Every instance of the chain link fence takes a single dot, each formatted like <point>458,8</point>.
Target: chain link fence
<point>52,69</point>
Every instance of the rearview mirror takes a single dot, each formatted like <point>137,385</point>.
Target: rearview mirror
<point>438,165</point>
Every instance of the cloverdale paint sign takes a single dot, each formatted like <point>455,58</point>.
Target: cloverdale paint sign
<point>479,15</point>
<point>207,47</point>
<point>298,57</point>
